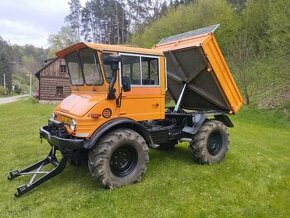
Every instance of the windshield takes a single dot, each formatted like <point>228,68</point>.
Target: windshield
<point>75,72</point>
<point>84,68</point>
<point>91,67</point>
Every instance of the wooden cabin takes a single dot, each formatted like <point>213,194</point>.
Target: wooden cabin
<point>53,81</point>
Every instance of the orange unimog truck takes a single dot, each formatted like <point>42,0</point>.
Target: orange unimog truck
<point>117,108</point>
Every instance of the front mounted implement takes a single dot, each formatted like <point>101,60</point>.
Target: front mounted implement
<point>58,138</point>
<point>36,169</point>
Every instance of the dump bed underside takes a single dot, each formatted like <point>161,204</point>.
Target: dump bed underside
<point>194,59</point>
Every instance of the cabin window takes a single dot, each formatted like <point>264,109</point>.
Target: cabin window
<point>59,91</point>
<point>131,68</point>
<point>142,70</point>
<point>150,72</point>
<point>74,69</point>
<point>62,68</point>
<point>91,67</point>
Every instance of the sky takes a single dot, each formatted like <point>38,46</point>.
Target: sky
<point>32,21</point>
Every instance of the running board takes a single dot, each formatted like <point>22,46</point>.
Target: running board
<point>35,170</point>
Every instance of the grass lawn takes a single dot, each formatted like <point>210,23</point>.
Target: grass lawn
<point>252,181</point>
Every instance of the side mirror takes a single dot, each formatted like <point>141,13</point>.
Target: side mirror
<point>126,84</point>
<point>113,61</point>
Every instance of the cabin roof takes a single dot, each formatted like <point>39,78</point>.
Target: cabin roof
<point>37,74</point>
<point>107,47</point>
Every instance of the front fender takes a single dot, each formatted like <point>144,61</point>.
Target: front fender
<point>114,124</point>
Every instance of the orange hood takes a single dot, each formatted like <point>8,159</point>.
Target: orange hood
<point>79,104</point>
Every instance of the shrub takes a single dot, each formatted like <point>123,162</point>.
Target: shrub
<point>17,89</point>
<point>2,90</point>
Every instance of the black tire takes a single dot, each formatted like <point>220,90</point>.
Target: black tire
<point>118,159</point>
<point>168,145</point>
<point>210,143</point>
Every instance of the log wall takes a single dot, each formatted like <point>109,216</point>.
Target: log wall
<point>54,84</point>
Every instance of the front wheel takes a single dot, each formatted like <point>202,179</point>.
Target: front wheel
<point>210,143</point>
<point>119,158</point>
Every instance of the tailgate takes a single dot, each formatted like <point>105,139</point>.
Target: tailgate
<point>194,58</point>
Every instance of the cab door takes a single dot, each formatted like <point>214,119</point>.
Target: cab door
<point>146,99</point>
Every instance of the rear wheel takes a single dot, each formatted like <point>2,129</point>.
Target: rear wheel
<point>210,143</point>
<point>119,158</point>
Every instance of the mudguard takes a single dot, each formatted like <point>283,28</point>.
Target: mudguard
<point>225,120</point>
<point>118,123</point>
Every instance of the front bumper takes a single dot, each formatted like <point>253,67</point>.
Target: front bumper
<point>61,142</point>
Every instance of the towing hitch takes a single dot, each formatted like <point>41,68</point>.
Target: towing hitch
<point>36,169</point>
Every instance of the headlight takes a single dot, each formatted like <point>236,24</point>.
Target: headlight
<point>73,125</point>
<point>53,116</point>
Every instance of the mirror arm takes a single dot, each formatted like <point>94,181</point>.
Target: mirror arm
<point>119,99</point>
<point>114,61</point>
<point>111,94</point>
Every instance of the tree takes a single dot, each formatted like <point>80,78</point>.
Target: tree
<point>238,4</point>
<point>104,21</point>
<point>112,21</point>
<point>241,60</point>
<point>6,63</point>
<point>163,8</point>
<point>32,66</point>
<point>188,17</point>
<point>64,38</point>
<point>74,18</point>
<point>279,27</point>
<point>86,23</point>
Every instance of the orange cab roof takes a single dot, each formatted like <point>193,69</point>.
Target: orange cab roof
<point>107,47</point>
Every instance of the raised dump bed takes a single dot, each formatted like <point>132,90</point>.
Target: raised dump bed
<point>195,63</point>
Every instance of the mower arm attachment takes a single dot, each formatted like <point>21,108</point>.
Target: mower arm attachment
<point>35,169</point>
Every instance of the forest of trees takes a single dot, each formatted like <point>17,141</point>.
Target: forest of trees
<point>114,21</point>
<point>254,36</point>
<point>111,21</point>
<point>17,63</point>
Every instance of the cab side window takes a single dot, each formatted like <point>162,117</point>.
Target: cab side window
<point>150,72</point>
<point>131,68</point>
<point>142,70</point>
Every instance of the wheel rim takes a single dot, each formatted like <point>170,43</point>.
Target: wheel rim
<point>214,143</point>
<point>123,161</point>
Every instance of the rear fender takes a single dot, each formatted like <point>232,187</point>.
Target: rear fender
<point>116,124</point>
<point>200,118</point>
<point>225,120</point>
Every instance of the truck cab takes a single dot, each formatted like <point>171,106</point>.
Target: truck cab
<point>90,105</point>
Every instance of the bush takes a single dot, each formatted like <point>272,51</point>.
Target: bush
<point>17,89</point>
<point>2,90</point>
<point>33,100</point>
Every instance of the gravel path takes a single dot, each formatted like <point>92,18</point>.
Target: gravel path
<point>12,99</point>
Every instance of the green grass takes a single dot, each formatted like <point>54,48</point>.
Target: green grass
<point>252,181</point>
